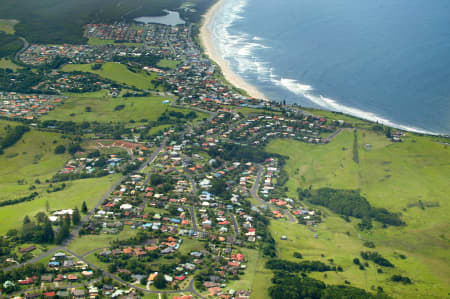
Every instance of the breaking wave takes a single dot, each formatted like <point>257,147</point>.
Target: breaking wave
<point>240,50</point>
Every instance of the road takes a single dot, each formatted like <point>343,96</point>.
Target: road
<point>235,225</point>
<point>254,190</point>
<point>25,46</point>
<point>194,220</point>
<point>254,193</point>
<point>190,287</point>
<point>76,229</point>
<point>329,138</point>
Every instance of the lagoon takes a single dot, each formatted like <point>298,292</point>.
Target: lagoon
<point>172,19</point>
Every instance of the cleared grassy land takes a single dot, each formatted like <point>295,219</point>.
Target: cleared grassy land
<point>4,124</point>
<point>89,190</point>
<point>6,63</point>
<point>256,277</point>
<point>391,175</point>
<point>85,244</point>
<point>95,41</point>
<point>103,109</point>
<point>117,72</point>
<point>7,25</point>
<point>168,63</point>
<point>31,158</point>
<point>328,165</point>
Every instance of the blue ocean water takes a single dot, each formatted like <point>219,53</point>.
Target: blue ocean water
<point>385,60</point>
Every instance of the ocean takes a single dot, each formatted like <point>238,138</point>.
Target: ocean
<point>382,60</point>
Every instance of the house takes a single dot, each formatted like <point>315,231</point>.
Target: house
<point>78,294</point>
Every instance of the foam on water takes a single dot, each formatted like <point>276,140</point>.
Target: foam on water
<point>240,49</point>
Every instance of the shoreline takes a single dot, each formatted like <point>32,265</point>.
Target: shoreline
<point>207,44</point>
<point>209,50</point>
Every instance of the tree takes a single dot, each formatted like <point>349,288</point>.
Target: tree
<point>160,282</point>
<point>76,216</point>
<point>73,148</point>
<point>60,149</point>
<point>49,234</point>
<point>84,208</point>
<point>63,232</point>
<point>26,219</point>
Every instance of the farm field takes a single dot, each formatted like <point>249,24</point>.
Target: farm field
<point>117,72</point>
<point>394,176</point>
<point>104,109</point>
<point>89,190</point>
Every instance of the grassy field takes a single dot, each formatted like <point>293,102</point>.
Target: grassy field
<point>391,175</point>
<point>6,63</point>
<point>256,277</point>
<point>31,158</point>
<point>117,72</point>
<point>168,63</point>
<point>328,165</point>
<point>95,41</point>
<point>102,109</point>
<point>85,244</point>
<point>7,25</point>
<point>89,190</point>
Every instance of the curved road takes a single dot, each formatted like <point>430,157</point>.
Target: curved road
<point>255,195</point>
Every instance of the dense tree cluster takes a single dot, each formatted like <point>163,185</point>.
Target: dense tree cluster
<point>376,258</point>
<point>290,286</point>
<point>350,203</point>
<point>236,152</point>
<point>9,44</point>
<point>12,136</point>
<point>304,266</point>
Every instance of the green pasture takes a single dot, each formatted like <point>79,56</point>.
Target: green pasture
<point>395,176</point>
<point>89,190</point>
<point>31,158</point>
<point>103,109</point>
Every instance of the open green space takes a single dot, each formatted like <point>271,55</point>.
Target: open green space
<point>104,109</point>
<point>87,243</point>
<point>7,25</point>
<point>6,63</point>
<point>89,190</point>
<point>248,281</point>
<point>31,158</point>
<point>167,63</point>
<point>117,72</point>
<point>410,178</point>
<point>95,41</point>
<point>320,166</point>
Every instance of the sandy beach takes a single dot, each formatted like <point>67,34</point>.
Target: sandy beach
<point>207,43</point>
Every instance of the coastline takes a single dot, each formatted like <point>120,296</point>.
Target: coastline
<point>207,44</point>
<point>209,50</point>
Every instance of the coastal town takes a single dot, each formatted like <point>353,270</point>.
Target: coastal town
<point>191,192</point>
